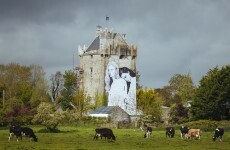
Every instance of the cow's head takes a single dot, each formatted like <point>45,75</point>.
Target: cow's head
<point>114,138</point>
<point>35,139</point>
<point>214,138</point>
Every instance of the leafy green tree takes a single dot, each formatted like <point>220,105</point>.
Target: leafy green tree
<point>70,89</point>
<point>15,110</point>
<point>70,82</point>
<point>165,95</point>
<point>182,86</point>
<point>82,103</point>
<point>148,102</point>
<point>103,99</point>
<point>97,100</point>
<point>12,109</point>
<point>24,92</point>
<point>178,113</point>
<point>100,99</point>
<point>24,85</point>
<point>1,95</point>
<point>48,117</point>
<point>212,97</point>
<point>11,76</point>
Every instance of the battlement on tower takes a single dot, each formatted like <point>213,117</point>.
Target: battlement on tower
<point>108,43</point>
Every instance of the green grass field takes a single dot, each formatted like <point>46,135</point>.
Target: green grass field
<point>81,138</point>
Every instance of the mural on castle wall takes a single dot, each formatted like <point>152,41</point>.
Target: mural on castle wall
<point>120,84</point>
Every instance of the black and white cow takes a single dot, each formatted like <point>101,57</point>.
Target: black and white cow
<point>183,131</point>
<point>219,132</point>
<point>28,132</point>
<point>15,130</point>
<point>148,132</point>
<point>170,132</point>
<point>104,132</point>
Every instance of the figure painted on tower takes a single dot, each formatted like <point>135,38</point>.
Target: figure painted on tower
<point>120,84</point>
<point>130,77</point>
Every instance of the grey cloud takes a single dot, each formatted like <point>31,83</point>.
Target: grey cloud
<point>172,36</point>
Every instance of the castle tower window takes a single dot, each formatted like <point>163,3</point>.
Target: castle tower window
<point>128,52</point>
<point>91,56</point>
<point>122,56</point>
<point>91,71</point>
<point>123,51</point>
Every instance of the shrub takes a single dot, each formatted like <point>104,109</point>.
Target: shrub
<point>208,125</point>
<point>47,117</point>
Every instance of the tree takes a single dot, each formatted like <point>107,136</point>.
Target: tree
<point>11,76</point>
<point>57,82</point>
<point>165,95</point>
<point>149,103</point>
<point>39,86</point>
<point>178,113</point>
<point>24,92</point>
<point>70,89</point>
<point>22,84</point>
<point>100,99</point>
<point>82,103</point>
<point>48,117</point>
<point>103,99</point>
<point>15,110</point>
<point>12,110</point>
<point>212,97</point>
<point>97,99</point>
<point>182,86</point>
<point>71,80</point>
<point>2,101</point>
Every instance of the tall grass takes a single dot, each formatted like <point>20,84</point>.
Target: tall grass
<point>81,138</point>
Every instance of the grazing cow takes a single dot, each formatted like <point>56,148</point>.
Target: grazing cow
<point>28,132</point>
<point>170,132</point>
<point>15,129</point>
<point>193,133</point>
<point>148,132</point>
<point>183,131</point>
<point>104,132</point>
<point>219,132</point>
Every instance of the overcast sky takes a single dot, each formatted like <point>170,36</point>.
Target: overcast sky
<point>173,36</point>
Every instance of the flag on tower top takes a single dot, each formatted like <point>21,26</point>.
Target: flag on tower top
<point>107,18</point>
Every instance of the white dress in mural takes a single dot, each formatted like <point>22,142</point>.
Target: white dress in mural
<point>131,98</point>
<point>117,93</point>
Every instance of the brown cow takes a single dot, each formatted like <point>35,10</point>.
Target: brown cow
<point>193,133</point>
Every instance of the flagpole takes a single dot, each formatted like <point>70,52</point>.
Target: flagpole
<point>106,19</point>
<point>73,61</point>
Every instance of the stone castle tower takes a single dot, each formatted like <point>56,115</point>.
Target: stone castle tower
<point>107,46</point>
